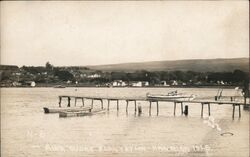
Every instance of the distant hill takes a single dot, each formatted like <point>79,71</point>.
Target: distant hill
<point>198,65</point>
<point>8,67</point>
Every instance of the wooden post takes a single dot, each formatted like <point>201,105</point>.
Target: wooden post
<point>186,110</point>
<point>60,100</point>
<point>150,107</point>
<point>208,108</point>
<point>139,110</point>
<point>175,103</point>
<point>239,111</point>
<point>108,104</point>
<point>102,103</point>
<point>233,110</point>
<point>157,107</point>
<point>92,103</point>
<point>117,104</point>
<point>174,107</point>
<point>82,101</point>
<point>127,106</point>
<point>75,100</point>
<point>68,101</point>
<point>135,105</point>
<point>181,108</point>
<point>202,109</point>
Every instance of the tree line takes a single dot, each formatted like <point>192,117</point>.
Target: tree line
<point>52,74</point>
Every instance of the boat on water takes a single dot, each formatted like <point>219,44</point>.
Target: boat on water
<point>68,109</point>
<point>59,86</point>
<point>174,95</point>
<point>81,113</point>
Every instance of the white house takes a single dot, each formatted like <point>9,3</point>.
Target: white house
<point>118,83</point>
<point>16,83</point>
<point>33,84</point>
<point>146,83</point>
<point>94,76</point>
<point>137,84</point>
<point>175,83</point>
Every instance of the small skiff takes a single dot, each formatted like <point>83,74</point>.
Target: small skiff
<point>65,109</point>
<point>80,113</point>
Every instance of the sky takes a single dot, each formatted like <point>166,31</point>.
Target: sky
<point>72,33</point>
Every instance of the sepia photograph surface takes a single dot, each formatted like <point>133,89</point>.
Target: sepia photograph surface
<point>124,78</point>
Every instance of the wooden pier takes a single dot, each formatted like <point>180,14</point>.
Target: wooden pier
<point>156,101</point>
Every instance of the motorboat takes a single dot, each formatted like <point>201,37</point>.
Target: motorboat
<point>173,95</point>
<point>59,86</point>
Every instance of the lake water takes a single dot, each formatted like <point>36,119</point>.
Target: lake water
<point>27,132</point>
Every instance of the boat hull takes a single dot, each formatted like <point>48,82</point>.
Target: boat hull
<point>80,113</point>
<point>168,97</point>
<point>69,109</point>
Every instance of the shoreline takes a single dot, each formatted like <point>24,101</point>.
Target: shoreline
<point>53,86</point>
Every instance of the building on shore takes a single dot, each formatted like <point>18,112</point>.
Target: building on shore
<point>119,83</point>
<point>139,83</point>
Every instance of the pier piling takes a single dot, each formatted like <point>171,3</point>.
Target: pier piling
<point>181,108</point>
<point>82,101</point>
<point>68,101</point>
<point>177,102</point>
<point>157,104</point>
<point>109,99</point>
<point>150,104</point>
<point>117,105</point>
<point>186,110</point>
<point>208,109</point>
<point>92,103</point>
<point>101,103</point>
<point>135,105</point>
<point>127,102</point>
<point>139,110</point>
<point>126,105</point>
<point>202,105</point>
<point>60,100</point>
<point>76,98</point>
<point>201,109</point>
<point>234,110</point>
<point>108,105</point>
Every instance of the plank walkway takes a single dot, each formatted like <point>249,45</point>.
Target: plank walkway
<point>203,102</point>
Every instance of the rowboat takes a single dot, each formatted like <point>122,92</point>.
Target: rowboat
<point>80,113</point>
<point>64,109</point>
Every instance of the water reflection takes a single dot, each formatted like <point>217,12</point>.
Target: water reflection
<point>124,133</point>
